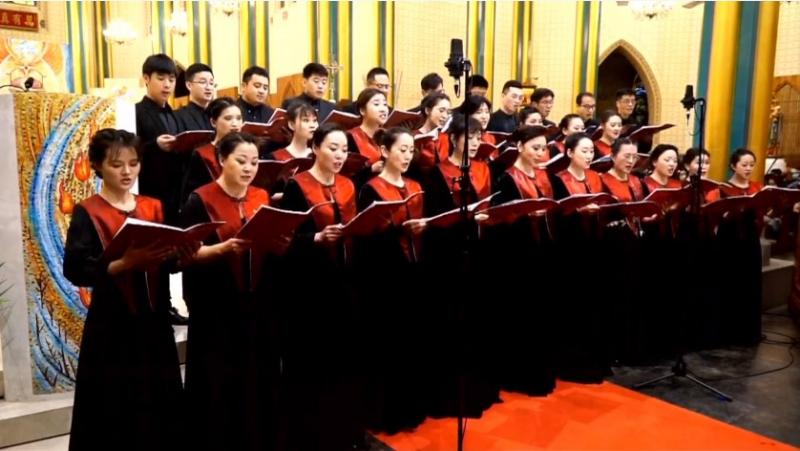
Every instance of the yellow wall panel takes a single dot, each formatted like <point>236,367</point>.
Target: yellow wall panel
<point>422,35</point>
<point>225,48</point>
<point>288,55</point>
<point>504,47</point>
<point>787,52</point>
<point>366,42</point>
<point>550,55</point>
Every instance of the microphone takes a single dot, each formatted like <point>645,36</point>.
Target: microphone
<point>688,98</point>
<point>455,64</point>
<point>29,83</point>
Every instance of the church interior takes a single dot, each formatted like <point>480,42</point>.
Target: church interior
<point>71,68</point>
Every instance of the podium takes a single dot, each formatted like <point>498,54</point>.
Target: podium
<point>44,173</point>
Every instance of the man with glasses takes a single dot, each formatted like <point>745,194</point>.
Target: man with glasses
<point>626,104</point>
<point>202,90</point>
<point>587,104</point>
<point>505,119</point>
<point>543,100</point>
<point>377,78</point>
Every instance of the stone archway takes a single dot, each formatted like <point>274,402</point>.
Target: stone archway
<point>645,72</point>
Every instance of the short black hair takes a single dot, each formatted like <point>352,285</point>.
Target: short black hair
<point>196,68</point>
<point>457,128</point>
<point>624,92</point>
<point>299,109</point>
<point>110,140</point>
<point>323,131</point>
<point>387,138</point>
<point>376,71</point>
<point>566,120</point>
<point>365,96</point>
<point>477,81</point>
<point>430,101</point>
<point>472,104</point>
<point>314,69</point>
<point>739,153</point>
<point>254,70</point>
<point>572,141</point>
<point>692,153</point>
<point>526,133</point>
<point>511,84</point>
<point>619,143</point>
<point>527,111</point>
<point>541,93</point>
<point>660,149</point>
<point>431,82</point>
<point>229,142</point>
<point>579,98</point>
<point>159,64</point>
<point>218,105</point>
<point>607,115</point>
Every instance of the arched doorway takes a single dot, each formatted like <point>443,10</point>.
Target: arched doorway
<point>622,66</point>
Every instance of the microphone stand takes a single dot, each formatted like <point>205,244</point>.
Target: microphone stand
<point>679,369</point>
<point>465,183</point>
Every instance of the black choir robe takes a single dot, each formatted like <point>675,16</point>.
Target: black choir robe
<point>194,117</point>
<point>231,362</point>
<point>322,106</point>
<point>128,388</point>
<point>523,303</point>
<point>319,328</point>
<point>254,113</point>
<point>456,346</point>
<point>391,309</point>
<point>582,317</point>
<point>203,168</point>
<point>162,171</point>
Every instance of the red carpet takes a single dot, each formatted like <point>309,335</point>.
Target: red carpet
<point>576,416</point>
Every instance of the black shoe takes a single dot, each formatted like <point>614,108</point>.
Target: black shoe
<point>176,319</point>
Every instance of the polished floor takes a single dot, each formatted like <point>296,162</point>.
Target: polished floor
<point>766,404</point>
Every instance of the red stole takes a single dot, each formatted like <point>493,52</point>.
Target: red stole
<point>602,148</point>
<point>479,176</point>
<point>531,187</point>
<point>432,152</point>
<point>653,185</point>
<point>342,193</point>
<point>414,207</point>
<point>487,137</point>
<point>107,221</point>
<point>709,195</point>
<point>366,145</point>
<point>282,155</point>
<point>731,191</point>
<point>208,153</point>
<point>625,191</point>
<point>591,184</point>
<point>234,212</point>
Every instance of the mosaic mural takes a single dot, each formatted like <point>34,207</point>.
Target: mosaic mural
<point>53,132</point>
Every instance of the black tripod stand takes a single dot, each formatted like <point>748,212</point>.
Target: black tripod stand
<point>679,369</point>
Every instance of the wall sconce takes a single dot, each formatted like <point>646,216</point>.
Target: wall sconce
<point>119,32</point>
<point>178,24</point>
<point>227,7</point>
<point>650,8</point>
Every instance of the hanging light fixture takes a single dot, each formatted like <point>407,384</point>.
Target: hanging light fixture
<point>227,7</point>
<point>649,9</point>
<point>178,23</point>
<point>119,32</point>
